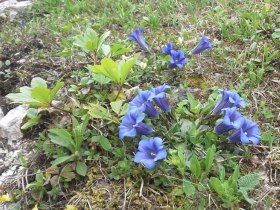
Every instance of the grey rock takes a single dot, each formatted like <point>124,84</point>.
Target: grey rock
<point>13,6</point>
<point>1,113</point>
<point>10,123</point>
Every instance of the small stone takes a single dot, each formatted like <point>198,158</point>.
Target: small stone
<point>21,61</point>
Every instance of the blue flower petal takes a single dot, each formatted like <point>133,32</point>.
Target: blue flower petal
<point>126,131</point>
<point>222,127</point>
<point>150,151</point>
<point>157,142</point>
<point>203,45</point>
<point>235,137</point>
<point>139,156</point>
<point>143,129</point>
<point>248,133</point>
<point>229,99</point>
<point>177,59</point>
<point>161,155</point>
<point>167,48</point>
<point>243,137</point>
<point>163,104</point>
<point>137,36</point>
<point>148,163</point>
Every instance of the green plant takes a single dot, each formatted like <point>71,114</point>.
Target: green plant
<point>72,142</point>
<point>38,186</point>
<point>116,71</point>
<point>234,188</point>
<point>91,43</point>
<point>34,118</point>
<point>37,95</point>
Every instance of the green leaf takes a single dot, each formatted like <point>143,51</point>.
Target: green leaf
<point>124,109</point>
<point>74,122</point>
<point>84,124</point>
<point>177,191</point>
<point>81,168</point>
<point>188,188</point>
<point>62,138</point>
<point>209,158</point>
<point>117,106</point>
<point>88,42</point>
<point>117,72</point>
<point>38,82</point>
<point>276,34</point>
<point>98,111</point>
<point>36,95</point>
<point>118,49</point>
<point>216,185</point>
<point>103,141</point>
<point>77,134</point>
<point>102,39</point>
<point>24,97</point>
<point>195,106</point>
<point>41,94</point>
<point>32,113</point>
<point>249,181</point>
<point>56,89</point>
<point>246,197</point>
<point>39,177</point>
<point>106,49</point>
<point>195,166</point>
<point>67,172</point>
<point>62,159</point>
<point>100,78</point>
<point>31,122</point>
<point>108,68</point>
<point>233,178</point>
<point>125,67</point>
<point>222,173</point>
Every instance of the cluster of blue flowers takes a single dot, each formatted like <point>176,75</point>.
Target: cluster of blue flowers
<point>177,57</point>
<point>245,130</point>
<point>149,150</point>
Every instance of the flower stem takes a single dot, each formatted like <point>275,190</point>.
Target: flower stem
<point>60,109</point>
<point>119,91</point>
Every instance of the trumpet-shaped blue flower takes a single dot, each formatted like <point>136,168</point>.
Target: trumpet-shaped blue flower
<point>247,133</point>
<point>177,59</point>
<point>232,120</point>
<point>142,103</point>
<point>138,37</point>
<point>229,99</point>
<point>132,125</point>
<point>167,48</point>
<point>159,97</point>
<point>202,45</point>
<point>150,151</point>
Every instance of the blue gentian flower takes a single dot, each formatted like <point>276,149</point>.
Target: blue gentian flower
<point>177,59</point>
<point>142,102</point>
<point>229,99</point>
<point>132,125</point>
<point>167,48</point>
<point>232,120</point>
<point>21,24</point>
<point>138,37</point>
<point>159,97</point>
<point>150,151</point>
<point>203,45</point>
<point>247,133</point>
